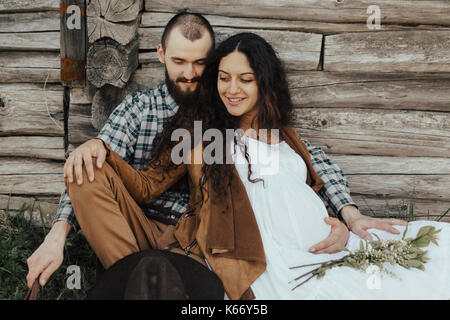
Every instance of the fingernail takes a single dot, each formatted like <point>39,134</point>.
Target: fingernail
<point>42,281</point>
<point>91,178</point>
<point>312,249</point>
<point>70,180</point>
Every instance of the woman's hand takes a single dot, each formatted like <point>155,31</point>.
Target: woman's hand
<point>335,241</point>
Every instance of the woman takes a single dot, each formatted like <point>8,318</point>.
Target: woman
<point>255,216</point>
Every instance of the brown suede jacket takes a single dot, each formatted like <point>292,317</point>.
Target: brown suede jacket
<point>224,228</point>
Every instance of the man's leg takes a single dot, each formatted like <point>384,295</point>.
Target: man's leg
<point>111,220</point>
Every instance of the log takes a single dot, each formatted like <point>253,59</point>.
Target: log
<point>29,22</point>
<point>28,5</point>
<point>427,187</point>
<point>32,147</point>
<point>392,51</point>
<point>111,63</point>
<point>316,89</point>
<point>113,19</point>
<point>36,184</point>
<point>378,91</point>
<point>105,100</point>
<point>16,166</point>
<point>31,109</point>
<point>41,67</point>
<point>80,124</point>
<point>33,205</point>
<point>376,132</point>
<point>73,43</point>
<point>299,50</point>
<point>36,41</point>
<point>160,19</point>
<point>400,11</point>
<point>377,165</point>
<point>399,208</point>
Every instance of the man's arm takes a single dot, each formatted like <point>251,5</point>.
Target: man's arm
<point>336,192</point>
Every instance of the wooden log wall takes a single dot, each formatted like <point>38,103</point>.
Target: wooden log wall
<point>376,100</point>
<point>31,112</point>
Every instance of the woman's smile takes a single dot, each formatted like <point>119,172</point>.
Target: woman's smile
<point>237,85</point>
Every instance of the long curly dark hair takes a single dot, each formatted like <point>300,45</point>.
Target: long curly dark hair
<point>275,108</point>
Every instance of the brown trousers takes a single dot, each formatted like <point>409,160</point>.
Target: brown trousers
<point>112,222</point>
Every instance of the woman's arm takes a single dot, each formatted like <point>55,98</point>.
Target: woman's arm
<point>149,183</point>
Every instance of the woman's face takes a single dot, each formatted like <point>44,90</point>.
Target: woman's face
<point>237,85</point>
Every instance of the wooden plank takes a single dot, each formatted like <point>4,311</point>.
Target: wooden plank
<point>394,207</point>
<point>375,91</point>
<point>160,19</point>
<point>36,184</point>
<point>13,165</point>
<point>317,89</point>
<point>428,187</point>
<point>32,147</point>
<point>28,5</point>
<point>400,11</point>
<point>299,50</point>
<point>36,41</point>
<point>31,109</point>
<point>73,43</point>
<point>29,22</point>
<point>376,132</point>
<point>392,51</point>
<point>362,164</point>
<point>30,66</point>
<point>48,205</point>
<point>80,124</point>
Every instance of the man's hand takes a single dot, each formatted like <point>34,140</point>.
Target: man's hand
<point>359,223</point>
<point>83,155</point>
<point>49,256</point>
<point>335,241</point>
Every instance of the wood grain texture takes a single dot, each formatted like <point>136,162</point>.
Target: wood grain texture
<point>160,19</point>
<point>19,66</point>
<point>32,147</point>
<point>33,205</point>
<point>378,165</point>
<point>399,208</point>
<point>31,109</point>
<point>299,50</point>
<point>28,5</point>
<point>29,21</point>
<point>391,51</point>
<point>377,132</point>
<point>117,20</point>
<point>36,41</point>
<point>400,91</point>
<point>399,11</point>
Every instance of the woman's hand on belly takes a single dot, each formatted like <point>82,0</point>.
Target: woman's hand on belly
<point>337,239</point>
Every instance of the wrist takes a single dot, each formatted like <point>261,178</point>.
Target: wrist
<point>58,233</point>
<point>349,213</point>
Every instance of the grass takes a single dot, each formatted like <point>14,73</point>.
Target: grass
<point>19,238</point>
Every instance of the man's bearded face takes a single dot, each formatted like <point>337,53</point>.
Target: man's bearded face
<point>181,89</point>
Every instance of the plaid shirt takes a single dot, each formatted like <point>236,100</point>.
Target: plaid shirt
<point>132,127</point>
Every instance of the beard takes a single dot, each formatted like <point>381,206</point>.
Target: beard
<point>181,97</point>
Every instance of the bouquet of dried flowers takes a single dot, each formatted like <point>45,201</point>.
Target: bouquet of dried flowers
<point>408,253</point>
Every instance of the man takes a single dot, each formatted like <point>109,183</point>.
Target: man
<point>130,131</point>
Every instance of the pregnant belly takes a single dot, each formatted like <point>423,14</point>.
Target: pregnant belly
<point>292,217</point>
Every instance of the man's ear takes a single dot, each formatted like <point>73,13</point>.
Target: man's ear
<point>161,55</point>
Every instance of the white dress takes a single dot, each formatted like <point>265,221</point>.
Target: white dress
<point>290,217</point>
